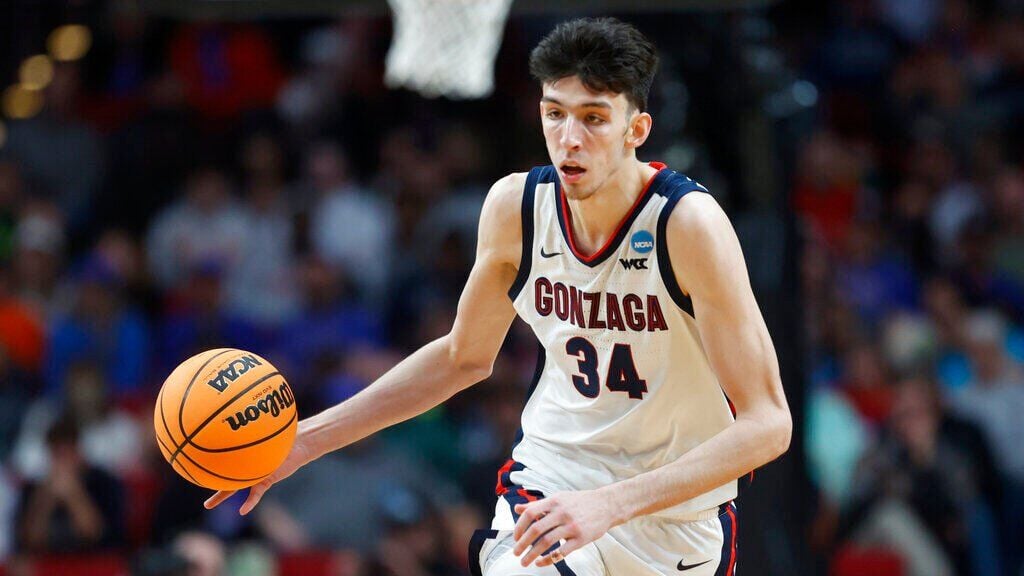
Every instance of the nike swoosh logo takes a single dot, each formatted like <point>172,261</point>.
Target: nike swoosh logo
<point>546,255</point>
<point>682,566</point>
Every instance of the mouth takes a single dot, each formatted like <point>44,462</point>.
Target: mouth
<point>571,172</point>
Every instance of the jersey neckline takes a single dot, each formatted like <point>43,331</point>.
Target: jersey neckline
<point>565,219</point>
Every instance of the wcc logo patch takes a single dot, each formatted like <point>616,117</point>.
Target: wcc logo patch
<point>633,263</point>
<point>642,241</point>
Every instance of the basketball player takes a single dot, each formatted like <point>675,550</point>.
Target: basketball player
<point>633,280</point>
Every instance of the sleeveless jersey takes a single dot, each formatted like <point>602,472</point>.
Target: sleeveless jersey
<point>622,384</point>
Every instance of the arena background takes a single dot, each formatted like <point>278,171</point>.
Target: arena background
<point>177,176</point>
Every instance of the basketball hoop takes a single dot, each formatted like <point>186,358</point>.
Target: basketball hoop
<point>445,47</point>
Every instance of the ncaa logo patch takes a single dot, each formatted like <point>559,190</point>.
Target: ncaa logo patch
<point>642,241</point>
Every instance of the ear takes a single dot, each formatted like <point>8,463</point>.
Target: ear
<point>639,129</point>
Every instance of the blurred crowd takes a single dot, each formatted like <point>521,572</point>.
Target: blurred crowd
<point>191,185</point>
<point>197,185</point>
<point>910,195</point>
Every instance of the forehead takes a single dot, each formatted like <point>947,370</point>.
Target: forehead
<point>572,92</point>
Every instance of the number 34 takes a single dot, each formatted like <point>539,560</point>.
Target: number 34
<point>622,375</point>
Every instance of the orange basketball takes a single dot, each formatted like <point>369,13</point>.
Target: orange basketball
<point>225,419</point>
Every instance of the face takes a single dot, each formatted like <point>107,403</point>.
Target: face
<point>590,135</point>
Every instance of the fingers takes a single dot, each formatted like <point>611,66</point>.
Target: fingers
<point>528,514</point>
<point>217,498</point>
<point>255,494</point>
<point>537,529</point>
<point>568,546</point>
<point>543,545</point>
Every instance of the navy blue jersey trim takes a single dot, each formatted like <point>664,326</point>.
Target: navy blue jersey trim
<point>728,516</point>
<point>514,496</point>
<point>526,260</point>
<point>476,542</point>
<point>668,276</point>
<point>563,569</point>
<point>537,371</point>
<point>657,181</point>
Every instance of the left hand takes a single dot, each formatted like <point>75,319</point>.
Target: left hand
<point>578,518</point>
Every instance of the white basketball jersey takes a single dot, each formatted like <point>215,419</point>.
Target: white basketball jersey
<point>622,385</point>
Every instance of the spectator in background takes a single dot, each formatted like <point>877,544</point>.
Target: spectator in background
<point>828,188</point>
<point>981,283</point>
<point>101,326</point>
<point>226,69</point>
<point>196,319</point>
<point>205,226</point>
<point>22,334</point>
<point>261,288</point>
<point>416,545</point>
<point>350,227</point>
<point>947,315</point>
<point>16,389</point>
<point>331,327</point>
<point>123,252</point>
<point>1008,209</point>
<point>955,201</point>
<point>866,382</point>
<point>75,507</point>
<point>461,156</point>
<point>994,399</point>
<point>109,437</point>
<point>370,481</point>
<point>66,155</point>
<point>910,232</point>
<point>871,278</point>
<point>204,552</point>
<point>921,489</point>
<point>38,258</point>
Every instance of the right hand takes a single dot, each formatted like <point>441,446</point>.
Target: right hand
<point>300,455</point>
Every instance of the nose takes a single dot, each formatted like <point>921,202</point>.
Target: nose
<point>572,134</point>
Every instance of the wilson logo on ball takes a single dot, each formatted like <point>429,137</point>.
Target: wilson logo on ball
<point>271,404</point>
<point>232,371</point>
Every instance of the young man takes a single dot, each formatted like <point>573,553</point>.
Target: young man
<point>634,283</point>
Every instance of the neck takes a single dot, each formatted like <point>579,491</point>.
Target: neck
<point>596,217</point>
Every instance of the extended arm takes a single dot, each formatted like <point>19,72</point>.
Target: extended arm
<point>438,370</point>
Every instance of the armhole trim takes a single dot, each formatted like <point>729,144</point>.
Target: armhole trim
<point>526,259</point>
<point>668,276</point>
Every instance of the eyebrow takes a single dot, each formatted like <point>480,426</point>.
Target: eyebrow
<point>591,104</point>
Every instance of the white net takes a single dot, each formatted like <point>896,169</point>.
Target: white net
<point>445,47</point>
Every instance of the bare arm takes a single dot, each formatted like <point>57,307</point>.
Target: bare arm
<point>709,266</point>
<point>439,369</point>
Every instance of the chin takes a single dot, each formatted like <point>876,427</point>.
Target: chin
<point>577,192</point>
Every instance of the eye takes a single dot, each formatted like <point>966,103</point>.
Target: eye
<point>554,114</point>
<point>595,119</point>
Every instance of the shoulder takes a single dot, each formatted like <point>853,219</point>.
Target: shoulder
<point>697,219</point>
<point>504,201</point>
<point>507,193</point>
<point>702,243</point>
<point>501,229</point>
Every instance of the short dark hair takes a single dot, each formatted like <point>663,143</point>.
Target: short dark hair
<point>607,55</point>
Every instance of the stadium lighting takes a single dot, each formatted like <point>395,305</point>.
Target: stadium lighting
<point>69,42</point>
<point>36,72</point>
<point>21,102</point>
